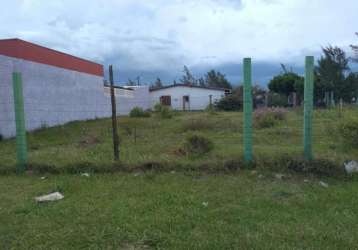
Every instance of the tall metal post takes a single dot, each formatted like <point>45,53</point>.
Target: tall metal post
<point>308,107</point>
<point>114,117</point>
<point>21,145</point>
<point>247,110</point>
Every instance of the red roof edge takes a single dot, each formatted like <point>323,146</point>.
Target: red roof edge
<point>21,49</point>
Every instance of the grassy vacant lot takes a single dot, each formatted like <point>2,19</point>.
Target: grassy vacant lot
<point>178,209</point>
<point>154,140</point>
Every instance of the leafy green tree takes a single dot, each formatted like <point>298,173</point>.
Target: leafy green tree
<point>332,68</point>
<point>188,77</point>
<point>350,87</point>
<point>285,83</point>
<point>318,91</point>
<point>216,79</point>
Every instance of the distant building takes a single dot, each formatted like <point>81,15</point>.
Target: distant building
<point>187,97</point>
<point>59,88</point>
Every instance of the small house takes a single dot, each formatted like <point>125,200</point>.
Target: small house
<point>187,97</point>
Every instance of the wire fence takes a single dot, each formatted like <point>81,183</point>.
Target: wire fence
<point>61,134</point>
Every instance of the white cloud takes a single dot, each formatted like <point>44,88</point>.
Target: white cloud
<point>162,34</point>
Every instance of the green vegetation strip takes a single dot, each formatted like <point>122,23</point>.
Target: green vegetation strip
<point>178,211</point>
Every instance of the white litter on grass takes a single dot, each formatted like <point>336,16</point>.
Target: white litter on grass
<point>253,172</point>
<point>85,174</point>
<point>205,204</point>
<point>323,184</point>
<point>50,197</point>
<point>279,176</point>
<point>172,172</point>
<point>43,178</point>
<point>351,167</point>
<point>306,181</point>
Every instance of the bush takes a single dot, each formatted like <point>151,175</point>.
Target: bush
<point>164,111</point>
<point>269,117</point>
<point>277,100</point>
<point>1,137</point>
<point>197,145</point>
<point>319,167</point>
<point>229,103</point>
<point>348,130</point>
<point>139,112</point>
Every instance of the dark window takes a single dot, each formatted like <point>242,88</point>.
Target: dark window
<point>166,100</point>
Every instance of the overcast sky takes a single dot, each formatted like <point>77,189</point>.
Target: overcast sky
<point>153,38</point>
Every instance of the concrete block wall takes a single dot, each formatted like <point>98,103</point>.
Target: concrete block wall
<point>139,98</point>
<point>52,95</point>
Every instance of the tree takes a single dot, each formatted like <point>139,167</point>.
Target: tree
<point>285,83</point>
<point>332,67</point>
<point>131,83</point>
<point>216,79</point>
<point>188,78</point>
<point>355,49</point>
<point>201,82</point>
<point>158,83</point>
<point>350,87</point>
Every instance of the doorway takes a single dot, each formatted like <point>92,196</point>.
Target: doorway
<point>186,103</point>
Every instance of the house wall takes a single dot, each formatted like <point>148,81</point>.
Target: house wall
<point>126,100</point>
<point>55,96</point>
<point>199,97</point>
<point>52,95</point>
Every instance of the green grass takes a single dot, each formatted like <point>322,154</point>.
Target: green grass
<point>166,211</point>
<point>157,140</point>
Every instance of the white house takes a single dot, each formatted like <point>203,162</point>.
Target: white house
<point>187,97</point>
<point>59,88</point>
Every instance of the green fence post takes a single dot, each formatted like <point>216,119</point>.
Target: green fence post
<point>308,107</point>
<point>21,147</point>
<point>247,110</point>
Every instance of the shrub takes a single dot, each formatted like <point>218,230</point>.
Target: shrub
<point>319,167</point>
<point>229,103</point>
<point>196,144</point>
<point>277,100</point>
<point>139,112</point>
<point>348,130</point>
<point>268,117</point>
<point>197,125</point>
<point>158,107</point>
<point>164,111</point>
<point>1,137</point>
<point>210,109</point>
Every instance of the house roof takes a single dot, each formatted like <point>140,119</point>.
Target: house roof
<point>21,49</point>
<point>118,87</point>
<point>188,86</point>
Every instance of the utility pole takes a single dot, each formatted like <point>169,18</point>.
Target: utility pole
<point>114,117</point>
